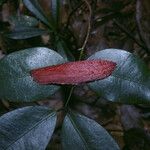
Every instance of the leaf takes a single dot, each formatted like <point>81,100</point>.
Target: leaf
<point>23,21</point>
<point>25,33</point>
<point>35,8</point>
<point>129,83</point>
<point>143,20</point>
<point>74,72</point>
<point>56,11</point>
<point>28,128</point>
<point>16,84</point>
<point>82,133</point>
<point>64,50</point>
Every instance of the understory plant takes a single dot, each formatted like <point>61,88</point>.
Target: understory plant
<point>36,73</point>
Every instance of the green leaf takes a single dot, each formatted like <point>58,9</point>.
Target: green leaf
<point>23,21</point>
<point>82,133</point>
<point>28,128</point>
<point>56,11</point>
<point>129,83</point>
<point>16,84</point>
<point>35,8</point>
<point>25,33</point>
<point>64,51</point>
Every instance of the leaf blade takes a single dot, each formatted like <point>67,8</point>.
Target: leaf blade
<point>87,134</point>
<point>56,11</point>
<point>29,126</point>
<point>129,83</point>
<point>15,74</point>
<point>36,9</point>
<point>74,72</point>
<point>25,33</point>
<point>23,20</point>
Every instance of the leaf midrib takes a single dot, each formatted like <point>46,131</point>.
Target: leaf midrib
<point>41,121</point>
<point>78,131</point>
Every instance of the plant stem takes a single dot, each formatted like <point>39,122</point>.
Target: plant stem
<point>88,30</point>
<point>69,97</point>
<point>5,104</point>
<point>74,10</point>
<point>83,46</point>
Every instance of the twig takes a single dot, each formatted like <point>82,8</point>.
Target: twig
<point>69,97</point>
<point>107,122</point>
<point>88,30</point>
<point>71,14</point>
<point>83,46</point>
<point>5,104</point>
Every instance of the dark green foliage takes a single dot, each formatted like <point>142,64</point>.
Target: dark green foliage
<point>18,21</point>
<point>16,84</point>
<point>129,83</point>
<point>31,128</point>
<point>28,128</point>
<point>36,9</point>
<point>25,33</point>
<point>80,132</point>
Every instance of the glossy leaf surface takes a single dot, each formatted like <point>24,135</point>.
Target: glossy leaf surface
<point>35,8</point>
<point>23,21</point>
<point>82,133</point>
<point>28,128</point>
<point>129,83</point>
<point>16,84</point>
<point>25,33</point>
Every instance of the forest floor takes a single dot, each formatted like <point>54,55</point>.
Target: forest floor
<point>119,24</point>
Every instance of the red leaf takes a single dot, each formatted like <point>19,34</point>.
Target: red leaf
<point>74,72</point>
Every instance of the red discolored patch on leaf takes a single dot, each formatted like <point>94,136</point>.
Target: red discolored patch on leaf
<point>74,72</point>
